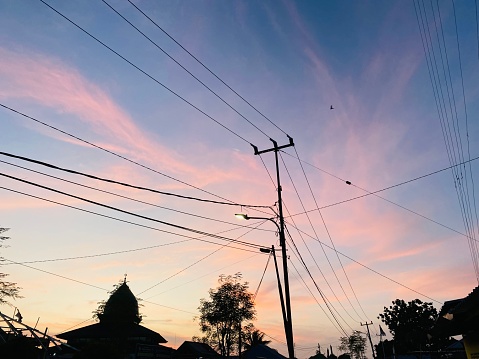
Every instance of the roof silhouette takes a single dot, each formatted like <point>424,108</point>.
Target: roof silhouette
<point>121,307</point>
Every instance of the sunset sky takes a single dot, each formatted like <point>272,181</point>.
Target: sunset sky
<point>402,78</point>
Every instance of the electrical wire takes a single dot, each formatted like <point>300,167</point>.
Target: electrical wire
<point>272,181</point>
<point>111,152</point>
<point>327,302</point>
<point>366,267</point>
<point>184,68</point>
<point>87,284</point>
<point>207,68</point>
<point>332,243</point>
<point>335,322</point>
<point>205,275</point>
<point>452,140</point>
<point>196,262</point>
<point>122,220</point>
<point>316,235</point>
<point>451,145</point>
<point>477,27</point>
<point>159,27</point>
<point>261,280</point>
<point>374,193</point>
<point>104,254</point>
<point>305,285</point>
<point>466,122</point>
<point>132,213</point>
<point>49,165</point>
<point>145,73</point>
<point>133,199</point>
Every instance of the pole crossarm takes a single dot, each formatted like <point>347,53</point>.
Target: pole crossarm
<point>275,148</point>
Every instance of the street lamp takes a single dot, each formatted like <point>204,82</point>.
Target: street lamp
<point>285,305</point>
<point>245,216</point>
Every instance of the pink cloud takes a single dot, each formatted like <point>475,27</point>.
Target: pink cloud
<point>51,83</point>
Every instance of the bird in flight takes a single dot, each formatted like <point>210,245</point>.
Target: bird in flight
<point>331,108</point>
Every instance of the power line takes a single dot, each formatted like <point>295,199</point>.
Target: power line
<point>103,254</point>
<point>197,78</point>
<point>262,276</point>
<point>111,152</point>
<point>325,300</point>
<point>206,68</point>
<point>477,27</point>
<point>76,325</point>
<point>453,144</point>
<point>466,121</point>
<point>207,274</point>
<point>132,199</point>
<point>368,193</point>
<point>122,220</point>
<point>322,274</point>
<point>305,285</point>
<point>365,266</point>
<point>184,68</point>
<point>324,252</point>
<point>131,213</point>
<point>328,303</point>
<point>272,181</point>
<point>459,145</point>
<point>54,274</point>
<point>145,73</point>
<point>316,235</point>
<point>87,284</point>
<point>49,165</point>
<point>196,262</point>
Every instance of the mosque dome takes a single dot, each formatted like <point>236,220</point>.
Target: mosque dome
<point>121,307</point>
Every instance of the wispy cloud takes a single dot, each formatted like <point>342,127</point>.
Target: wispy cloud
<point>50,82</point>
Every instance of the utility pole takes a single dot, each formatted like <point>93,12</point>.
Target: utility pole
<point>288,324</point>
<point>369,336</point>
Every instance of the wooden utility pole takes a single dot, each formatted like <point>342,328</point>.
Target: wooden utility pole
<point>369,336</point>
<point>288,325</point>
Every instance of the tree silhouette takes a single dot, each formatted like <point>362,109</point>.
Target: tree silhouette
<point>409,323</point>
<point>354,345</point>
<point>121,307</point>
<point>255,338</point>
<point>8,290</point>
<point>230,306</point>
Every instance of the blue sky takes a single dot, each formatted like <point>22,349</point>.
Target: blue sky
<point>292,61</point>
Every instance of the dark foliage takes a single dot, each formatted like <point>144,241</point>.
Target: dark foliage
<point>121,307</point>
<point>230,306</point>
<point>410,323</point>
<point>255,338</point>
<point>8,290</point>
<point>354,345</point>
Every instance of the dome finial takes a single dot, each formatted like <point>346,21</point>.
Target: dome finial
<point>124,280</point>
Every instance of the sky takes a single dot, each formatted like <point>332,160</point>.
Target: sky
<point>117,96</point>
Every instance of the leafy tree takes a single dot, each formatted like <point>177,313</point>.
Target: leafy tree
<point>7,289</point>
<point>354,345</point>
<point>409,323</point>
<point>384,349</point>
<point>230,305</point>
<point>255,338</point>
